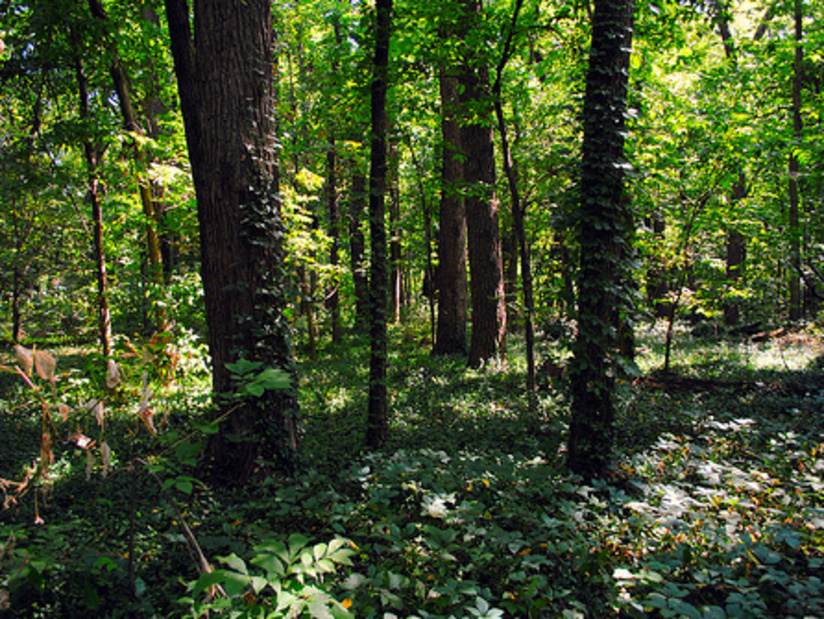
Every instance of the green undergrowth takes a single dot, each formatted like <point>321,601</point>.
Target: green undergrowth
<point>715,507</point>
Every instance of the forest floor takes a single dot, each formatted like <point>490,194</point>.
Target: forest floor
<point>715,508</point>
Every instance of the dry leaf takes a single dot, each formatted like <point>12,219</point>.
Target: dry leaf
<point>95,406</point>
<point>106,456</point>
<point>147,416</point>
<point>45,365</point>
<point>81,440</point>
<point>63,409</point>
<point>46,453</point>
<point>24,358</point>
<point>112,374</point>
<point>90,462</point>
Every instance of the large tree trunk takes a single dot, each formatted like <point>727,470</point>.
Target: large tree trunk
<point>604,226</point>
<point>451,275</point>
<point>378,414</point>
<point>481,203</point>
<point>225,84</point>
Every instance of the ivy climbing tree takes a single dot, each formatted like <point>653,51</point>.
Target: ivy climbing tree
<point>226,91</point>
<point>604,227</point>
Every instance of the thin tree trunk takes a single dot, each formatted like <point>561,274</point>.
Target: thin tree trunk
<point>395,247</point>
<point>333,297</point>
<point>130,124</point>
<point>357,248</point>
<point>517,210</point>
<point>93,154</point>
<point>378,414</point>
<point>796,307</point>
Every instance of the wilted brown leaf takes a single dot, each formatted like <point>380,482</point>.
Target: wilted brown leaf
<point>106,456</point>
<point>112,374</point>
<point>81,440</point>
<point>46,453</point>
<point>24,358</point>
<point>45,365</point>
<point>90,461</point>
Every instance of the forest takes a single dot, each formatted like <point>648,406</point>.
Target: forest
<point>394,308</point>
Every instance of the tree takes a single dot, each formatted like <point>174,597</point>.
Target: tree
<point>451,274</point>
<point>604,227</point>
<point>481,202</point>
<point>378,414</point>
<point>224,79</point>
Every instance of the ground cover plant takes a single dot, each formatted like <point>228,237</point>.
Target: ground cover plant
<point>714,509</point>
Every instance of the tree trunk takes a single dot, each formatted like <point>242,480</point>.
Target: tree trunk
<point>333,297</point>
<point>519,230</point>
<point>395,247</point>
<point>225,84</point>
<point>93,154</point>
<point>451,275</point>
<point>796,307</point>
<point>378,414</point>
<point>131,125</point>
<point>736,256</point>
<point>603,229</point>
<point>481,203</point>
<point>357,247</point>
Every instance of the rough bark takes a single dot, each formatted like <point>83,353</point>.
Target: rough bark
<point>603,230</point>
<point>481,203</point>
<point>452,282</point>
<point>225,84</point>
<point>378,414</point>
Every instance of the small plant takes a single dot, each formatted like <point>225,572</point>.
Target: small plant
<point>285,580</point>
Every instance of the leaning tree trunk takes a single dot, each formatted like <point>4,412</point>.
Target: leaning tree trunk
<point>225,83</point>
<point>603,229</point>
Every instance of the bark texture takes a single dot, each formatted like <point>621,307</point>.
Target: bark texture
<point>225,83</point>
<point>604,227</point>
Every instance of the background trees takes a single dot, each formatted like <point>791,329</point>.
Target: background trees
<point>725,151</point>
